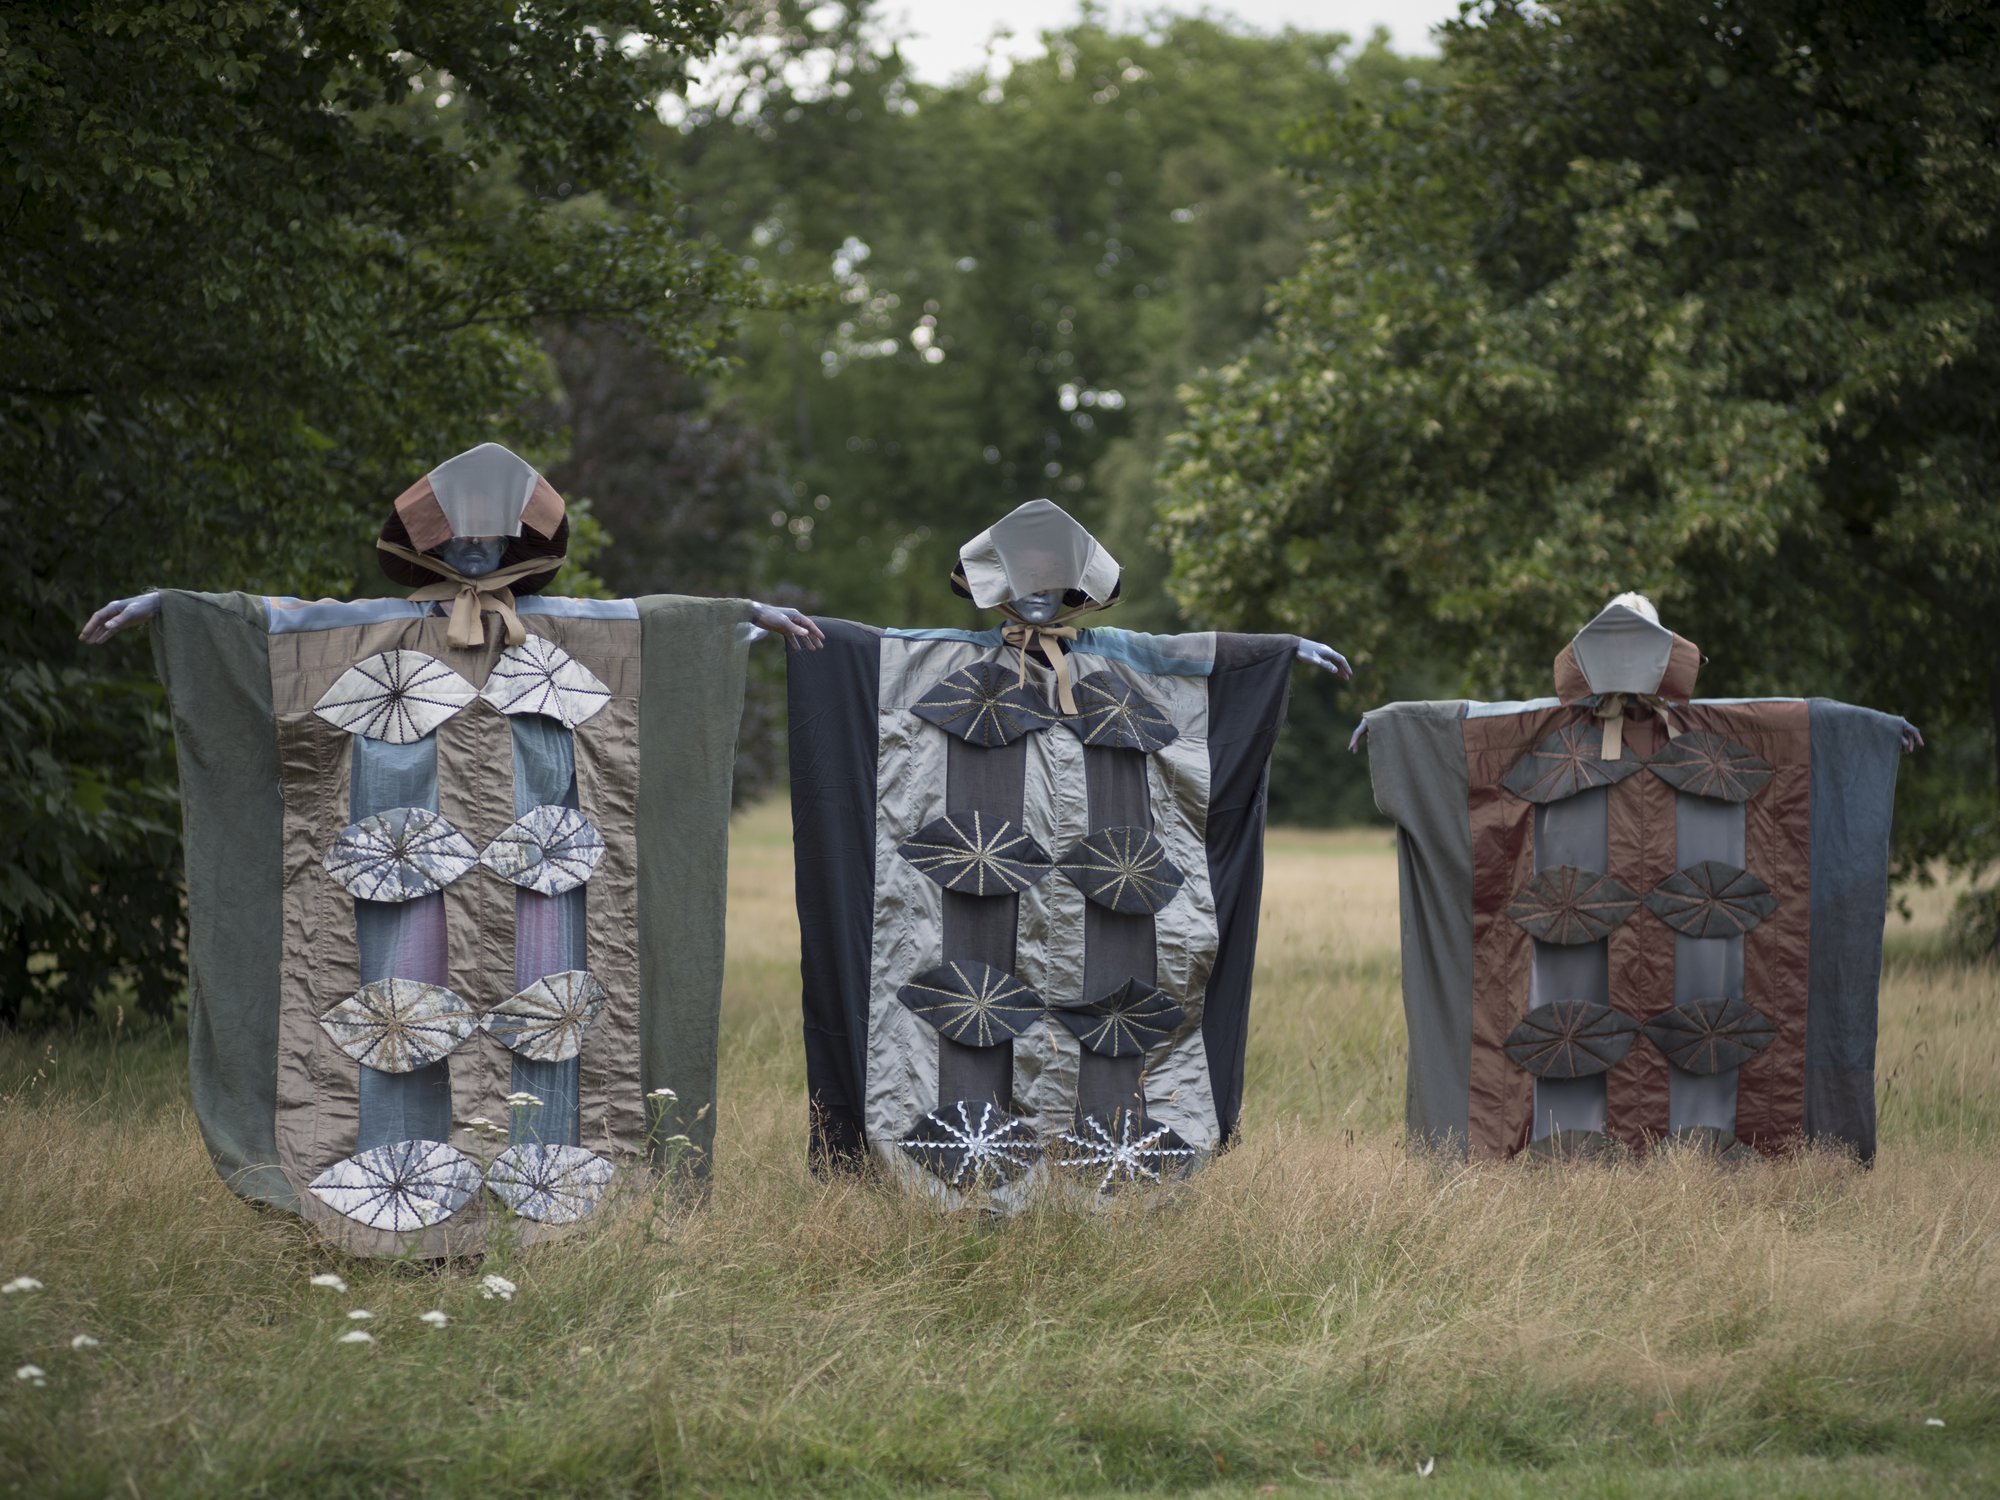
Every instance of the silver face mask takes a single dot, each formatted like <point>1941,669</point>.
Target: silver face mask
<point>1038,609</point>
<point>473,556</point>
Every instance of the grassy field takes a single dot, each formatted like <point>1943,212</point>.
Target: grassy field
<point>1317,1314</point>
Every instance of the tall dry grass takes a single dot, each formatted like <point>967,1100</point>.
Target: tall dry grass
<point>1317,1312</point>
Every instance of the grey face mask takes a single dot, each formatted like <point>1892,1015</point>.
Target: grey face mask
<point>473,556</point>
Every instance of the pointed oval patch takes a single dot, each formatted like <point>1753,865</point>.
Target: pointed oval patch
<point>1569,761</point>
<point>1571,1039</point>
<point>1711,1036</point>
<point>1711,900</point>
<point>1567,906</point>
<point>1708,765</point>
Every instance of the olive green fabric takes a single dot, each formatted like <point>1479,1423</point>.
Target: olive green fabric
<point>213,654</point>
<point>693,654</point>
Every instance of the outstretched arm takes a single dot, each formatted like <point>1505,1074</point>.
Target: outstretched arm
<point>119,614</point>
<point>799,630</point>
<point>1316,654</point>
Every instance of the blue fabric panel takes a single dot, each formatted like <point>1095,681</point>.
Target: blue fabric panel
<point>577,609</point>
<point>396,1106</point>
<point>545,773</point>
<point>285,615</point>
<point>1167,655</point>
<point>1855,754</point>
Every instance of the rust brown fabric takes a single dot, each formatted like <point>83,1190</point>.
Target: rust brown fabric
<point>1683,666</point>
<point>1502,1103</point>
<point>1640,849</point>
<point>422,517</point>
<point>1777,849</point>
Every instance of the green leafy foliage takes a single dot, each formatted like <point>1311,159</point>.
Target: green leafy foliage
<point>1020,272</point>
<point>265,266</point>
<point>1698,299</point>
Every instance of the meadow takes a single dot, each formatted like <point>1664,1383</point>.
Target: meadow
<point>1318,1313</point>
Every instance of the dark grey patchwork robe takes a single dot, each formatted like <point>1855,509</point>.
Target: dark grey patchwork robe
<point>1027,940</point>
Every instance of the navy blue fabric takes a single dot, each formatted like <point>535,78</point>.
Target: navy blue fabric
<point>832,697</point>
<point>1247,696</point>
<point>1855,756</point>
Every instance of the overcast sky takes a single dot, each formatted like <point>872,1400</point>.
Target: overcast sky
<point>950,35</point>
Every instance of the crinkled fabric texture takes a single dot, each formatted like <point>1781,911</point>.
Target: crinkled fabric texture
<point>920,845</point>
<point>266,792</point>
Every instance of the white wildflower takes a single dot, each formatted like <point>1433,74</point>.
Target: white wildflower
<point>359,1314</point>
<point>33,1374</point>
<point>524,1100</point>
<point>1425,1469</point>
<point>663,1093</point>
<point>21,1284</point>
<point>329,1280</point>
<point>1933,1421</point>
<point>491,1286</point>
<point>83,1341</point>
<point>356,1336</point>
<point>434,1317</point>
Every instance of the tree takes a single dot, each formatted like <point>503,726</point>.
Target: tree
<point>264,266</point>
<point>1694,298</point>
<point>1023,269</point>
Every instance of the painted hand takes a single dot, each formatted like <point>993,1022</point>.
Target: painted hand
<point>1360,733</point>
<point>1913,738</point>
<point>119,614</point>
<point>801,633</point>
<point>1313,653</point>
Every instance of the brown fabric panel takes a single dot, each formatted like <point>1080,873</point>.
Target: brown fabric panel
<point>1570,681</point>
<point>607,789</point>
<point>1683,666</point>
<point>544,511</point>
<point>475,749</point>
<point>1777,841</point>
<point>423,518</point>
<point>1502,1095</point>
<point>1641,847</point>
<point>318,1096</point>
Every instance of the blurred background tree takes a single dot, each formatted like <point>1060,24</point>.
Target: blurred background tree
<point>264,266</point>
<point>1613,295</point>
<point>1695,298</point>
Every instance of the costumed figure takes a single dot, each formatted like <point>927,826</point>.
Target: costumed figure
<point>455,871</point>
<point>1028,862</point>
<point>1630,915</point>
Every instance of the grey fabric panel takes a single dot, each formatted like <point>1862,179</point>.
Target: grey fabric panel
<point>1054,812</point>
<point>977,1073</point>
<point>213,654</point>
<point>1416,762</point>
<point>1569,1104</point>
<point>1855,754</point>
<point>1705,968</point>
<point>1105,1085</point>
<point>1574,831</point>
<point>692,659</point>
<point>1116,947</point>
<point>414,1105</point>
<point>545,775</point>
<point>981,928</point>
<point>1695,1099</point>
<point>1621,651</point>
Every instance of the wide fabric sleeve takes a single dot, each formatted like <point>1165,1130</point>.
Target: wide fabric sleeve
<point>833,696</point>
<point>1247,696</point>
<point>213,655</point>
<point>693,655</point>
<point>1855,756</point>
<point>1416,761</point>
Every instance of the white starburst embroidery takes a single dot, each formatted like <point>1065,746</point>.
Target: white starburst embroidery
<point>1128,1149</point>
<point>399,855</point>
<point>977,855</point>
<point>969,1144</point>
